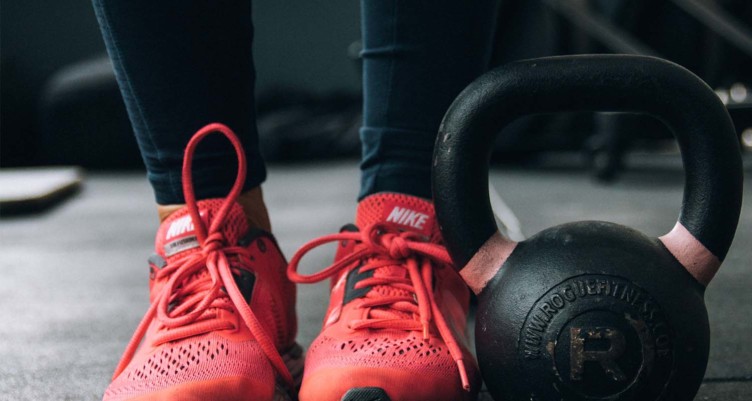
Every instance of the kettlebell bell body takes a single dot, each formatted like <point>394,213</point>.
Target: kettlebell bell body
<point>584,305</point>
<point>590,310</point>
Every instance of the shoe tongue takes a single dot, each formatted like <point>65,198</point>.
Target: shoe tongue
<point>403,212</point>
<point>177,234</point>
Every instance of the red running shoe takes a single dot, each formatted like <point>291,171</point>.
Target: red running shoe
<point>222,324</point>
<point>396,324</point>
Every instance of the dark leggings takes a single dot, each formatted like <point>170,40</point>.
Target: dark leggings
<point>182,64</point>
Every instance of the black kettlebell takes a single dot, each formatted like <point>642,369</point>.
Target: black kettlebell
<point>590,310</point>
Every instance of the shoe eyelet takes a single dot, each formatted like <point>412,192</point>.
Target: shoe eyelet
<point>261,245</point>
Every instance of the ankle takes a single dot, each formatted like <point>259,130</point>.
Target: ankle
<point>252,202</point>
<point>164,211</point>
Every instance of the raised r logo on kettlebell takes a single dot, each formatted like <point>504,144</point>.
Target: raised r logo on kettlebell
<point>579,337</point>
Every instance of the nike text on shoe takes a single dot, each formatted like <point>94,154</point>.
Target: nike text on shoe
<point>395,327</point>
<point>221,325</point>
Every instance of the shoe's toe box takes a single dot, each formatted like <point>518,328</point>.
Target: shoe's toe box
<point>404,366</point>
<point>209,367</point>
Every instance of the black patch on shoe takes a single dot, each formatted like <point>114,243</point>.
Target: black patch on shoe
<point>254,234</point>
<point>366,394</point>
<point>157,261</point>
<point>350,228</point>
<point>245,281</point>
<point>353,278</point>
<point>251,235</point>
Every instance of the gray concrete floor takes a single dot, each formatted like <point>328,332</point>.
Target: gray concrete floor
<point>73,281</point>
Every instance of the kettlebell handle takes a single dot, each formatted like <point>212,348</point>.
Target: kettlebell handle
<point>626,83</point>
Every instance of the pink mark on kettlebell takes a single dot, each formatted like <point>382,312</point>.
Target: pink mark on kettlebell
<point>691,253</point>
<point>487,261</point>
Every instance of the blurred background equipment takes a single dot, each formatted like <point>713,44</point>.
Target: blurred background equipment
<point>61,104</point>
<point>297,125</point>
<point>32,190</point>
<point>710,38</point>
<point>48,48</point>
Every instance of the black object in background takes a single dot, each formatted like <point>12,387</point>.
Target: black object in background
<point>298,126</point>
<point>83,119</point>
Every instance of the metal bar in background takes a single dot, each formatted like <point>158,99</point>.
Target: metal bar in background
<point>599,28</point>
<point>720,22</point>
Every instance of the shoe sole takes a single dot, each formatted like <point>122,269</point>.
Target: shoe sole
<point>366,394</point>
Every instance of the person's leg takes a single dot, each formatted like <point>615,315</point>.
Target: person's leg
<point>395,329</point>
<point>417,57</point>
<point>222,322</point>
<point>181,65</point>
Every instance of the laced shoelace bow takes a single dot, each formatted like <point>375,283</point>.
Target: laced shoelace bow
<point>382,248</point>
<point>188,308</point>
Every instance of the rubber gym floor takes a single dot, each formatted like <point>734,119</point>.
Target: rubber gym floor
<point>73,280</point>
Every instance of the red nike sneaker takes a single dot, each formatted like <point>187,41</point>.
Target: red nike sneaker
<point>396,324</point>
<point>222,324</point>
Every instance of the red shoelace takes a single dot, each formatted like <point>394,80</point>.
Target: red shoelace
<point>379,247</point>
<point>201,290</point>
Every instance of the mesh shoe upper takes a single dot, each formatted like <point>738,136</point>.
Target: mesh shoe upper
<point>397,312</point>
